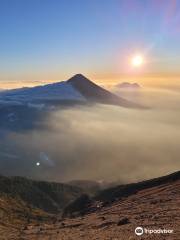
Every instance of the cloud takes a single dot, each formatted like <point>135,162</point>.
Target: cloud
<point>101,142</point>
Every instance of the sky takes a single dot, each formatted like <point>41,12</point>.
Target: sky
<point>45,40</point>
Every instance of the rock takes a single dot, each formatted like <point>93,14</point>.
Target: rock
<point>105,224</point>
<point>123,221</point>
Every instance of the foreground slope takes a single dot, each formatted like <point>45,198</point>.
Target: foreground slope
<point>16,215</point>
<point>154,205</point>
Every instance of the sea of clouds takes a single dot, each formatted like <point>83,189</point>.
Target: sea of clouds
<point>100,142</point>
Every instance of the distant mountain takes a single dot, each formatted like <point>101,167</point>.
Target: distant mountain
<point>76,89</point>
<point>93,92</point>
<point>128,85</point>
<point>28,108</point>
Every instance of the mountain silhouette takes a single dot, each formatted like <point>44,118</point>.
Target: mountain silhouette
<point>93,92</point>
<point>78,88</point>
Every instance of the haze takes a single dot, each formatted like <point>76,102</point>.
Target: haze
<point>100,142</point>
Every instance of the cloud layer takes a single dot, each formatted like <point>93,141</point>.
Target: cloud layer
<point>100,142</point>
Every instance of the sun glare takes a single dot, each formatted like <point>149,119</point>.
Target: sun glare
<point>137,60</point>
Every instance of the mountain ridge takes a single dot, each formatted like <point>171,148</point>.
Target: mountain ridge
<point>48,196</point>
<point>155,206</point>
<point>77,88</point>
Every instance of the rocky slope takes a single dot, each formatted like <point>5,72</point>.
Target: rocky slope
<point>153,205</point>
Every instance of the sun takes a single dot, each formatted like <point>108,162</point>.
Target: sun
<point>137,60</point>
